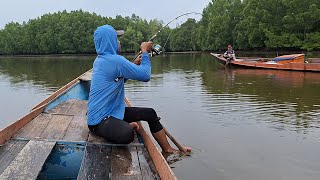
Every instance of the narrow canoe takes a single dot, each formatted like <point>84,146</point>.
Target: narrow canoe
<point>54,142</point>
<point>294,62</point>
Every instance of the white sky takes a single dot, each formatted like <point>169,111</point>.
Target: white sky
<point>166,10</point>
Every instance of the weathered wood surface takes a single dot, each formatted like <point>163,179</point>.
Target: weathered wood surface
<point>78,129</point>
<point>96,163</point>
<point>148,170</point>
<point>9,131</point>
<point>35,127</point>
<point>79,108</point>
<point>63,108</point>
<point>116,162</point>
<point>66,121</point>
<point>57,127</point>
<point>9,151</point>
<point>125,163</point>
<point>86,77</point>
<point>28,163</point>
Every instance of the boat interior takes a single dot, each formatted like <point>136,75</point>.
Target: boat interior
<point>57,144</point>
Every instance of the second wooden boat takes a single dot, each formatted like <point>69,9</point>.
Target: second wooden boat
<point>294,62</point>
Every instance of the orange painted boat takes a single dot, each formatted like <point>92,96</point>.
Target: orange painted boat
<point>294,62</point>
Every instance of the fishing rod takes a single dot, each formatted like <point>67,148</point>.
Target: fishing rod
<point>157,49</point>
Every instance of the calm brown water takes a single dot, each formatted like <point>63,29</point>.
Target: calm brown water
<point>243,124</point>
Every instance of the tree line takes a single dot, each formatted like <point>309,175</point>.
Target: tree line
<point>71,33</point>
<point>246,24</point>
<point>256,24</point>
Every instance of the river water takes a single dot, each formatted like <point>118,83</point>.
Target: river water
<point>243,124</point>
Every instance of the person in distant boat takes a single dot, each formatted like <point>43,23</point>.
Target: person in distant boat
<point>229,55</point>
<point>108,116</point>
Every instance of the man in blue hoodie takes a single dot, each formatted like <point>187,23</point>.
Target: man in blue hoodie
<point>108,116</point>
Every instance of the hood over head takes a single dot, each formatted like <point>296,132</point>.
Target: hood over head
<point>105,40</point>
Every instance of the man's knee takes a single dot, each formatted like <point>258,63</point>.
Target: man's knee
<point>155,125</point>
<point>125,136</point>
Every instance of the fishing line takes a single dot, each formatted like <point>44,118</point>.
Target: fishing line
<point>157,49</point>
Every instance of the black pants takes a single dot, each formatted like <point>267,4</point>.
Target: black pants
<point>120,131</point>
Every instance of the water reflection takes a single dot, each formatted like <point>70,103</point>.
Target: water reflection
<point>280,97</point>
<point>246,123</point>
<point>24,82</point>
<point>51,72</point>
<point>65,159</point>
<point>290,97</point>
<point>243,123</point>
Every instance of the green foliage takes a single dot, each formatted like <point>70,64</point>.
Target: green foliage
<point>216,29</point>
<point>184,37</point>
<point>247,24</point>
<point>71,32</point>
<point>312,41</point>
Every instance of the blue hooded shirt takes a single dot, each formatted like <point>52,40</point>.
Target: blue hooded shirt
<point>110,71</point>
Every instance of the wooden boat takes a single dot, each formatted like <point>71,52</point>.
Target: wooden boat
<point>54,142</point>
<point>294,62</point>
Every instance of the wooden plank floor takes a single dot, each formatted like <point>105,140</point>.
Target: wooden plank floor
<point>125,163</point>
<point>9,151</point>
<point>67,123</point>
<point>96,163</point>
<point>28,163</point>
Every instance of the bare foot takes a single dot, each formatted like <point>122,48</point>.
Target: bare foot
<point>187,149</point>
<point>176,151</point>
<point>171,150</point>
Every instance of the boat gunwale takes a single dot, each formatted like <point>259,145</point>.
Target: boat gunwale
<point>61,91</point>
<point>9,131</point>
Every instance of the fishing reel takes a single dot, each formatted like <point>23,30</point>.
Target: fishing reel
<point>156,50</point>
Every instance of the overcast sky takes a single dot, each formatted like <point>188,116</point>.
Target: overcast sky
<point>166,10</point>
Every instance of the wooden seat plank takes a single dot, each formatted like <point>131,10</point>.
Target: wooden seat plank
<point>148,170</point>
<point>9,151</point>
<point>96,163</point>
<point>57,127</point>
<point>86,77</point>
<point>79,107</point>
<point>62,108</point>
<point>28,163</point>
<point>125,163</point>
<point>35,127</point>
<point>78,129</point>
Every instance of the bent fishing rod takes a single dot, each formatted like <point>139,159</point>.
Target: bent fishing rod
<point>156,49</point>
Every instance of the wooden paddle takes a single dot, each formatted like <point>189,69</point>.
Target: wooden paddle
<point>165,130</point>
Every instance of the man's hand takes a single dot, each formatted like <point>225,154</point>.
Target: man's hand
<point>135,126</point>
<point>137,61</point>
<point>146,46</point>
